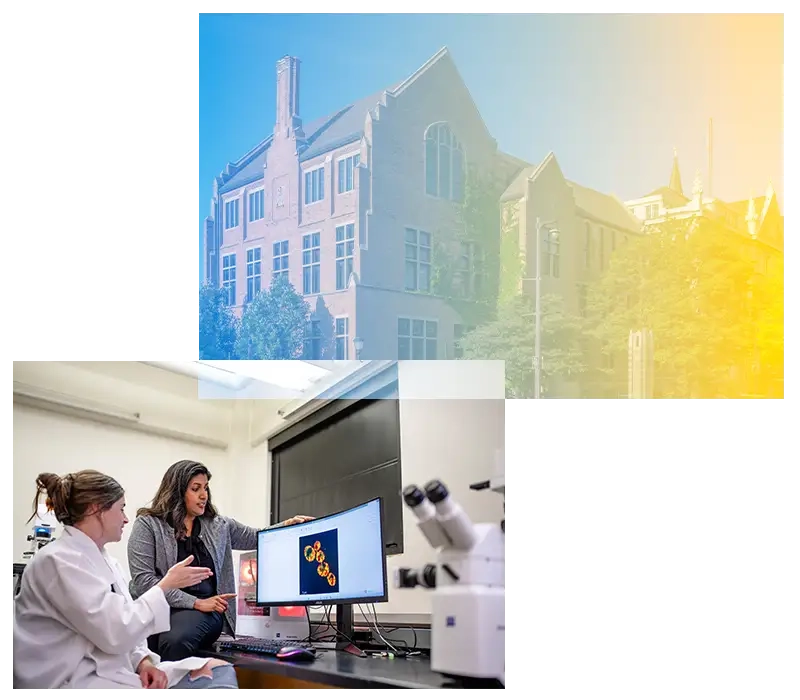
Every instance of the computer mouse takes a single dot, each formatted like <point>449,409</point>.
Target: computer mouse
<point>296,654</point>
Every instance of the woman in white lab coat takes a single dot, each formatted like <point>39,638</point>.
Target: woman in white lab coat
<point>75,624</point>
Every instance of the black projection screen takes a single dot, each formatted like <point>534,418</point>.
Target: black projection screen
<point>346,453</point>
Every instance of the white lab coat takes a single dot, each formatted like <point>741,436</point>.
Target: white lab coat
<point>71,630</point>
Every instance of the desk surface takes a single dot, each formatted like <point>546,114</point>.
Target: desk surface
<point>344,670</point>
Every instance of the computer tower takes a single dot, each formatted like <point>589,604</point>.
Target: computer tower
<point>284,623</point>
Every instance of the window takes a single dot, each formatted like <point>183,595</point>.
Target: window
<point>312,344</point>
<point>311,263</point>
<point>651,211</point>
<point>416,339</point>
<point>345,242</point>
<point>551,264</point>
<point>602,250</point>
<point>253,273</point>
<point>587,247</point>
<point>232,213</point>
<point>229,277</point>
<point>342,340</point>
<point>255,205</point>
<point>418,260</point>
<point>444,164</point>
<point>315,185</point>
<point>280,259</point>
<point>613,241</point>
<point>459,331</point>
<point>471,271</point>
<point>582,300</point>
<point>347,168</point>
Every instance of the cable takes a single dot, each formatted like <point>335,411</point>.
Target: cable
<point>393,629</point>
<point>310,632</point>
<point>409,650</point>
<point>378,632</point>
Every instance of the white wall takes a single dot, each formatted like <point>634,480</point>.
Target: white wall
<point>458,442</point>
<point>249,466</point>
<point>47,442</point>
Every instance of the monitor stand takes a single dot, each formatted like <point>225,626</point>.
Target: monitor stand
<point>345,630</point>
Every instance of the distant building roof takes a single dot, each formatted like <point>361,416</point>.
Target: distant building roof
<point>742,206</point>
<point>516,190</point>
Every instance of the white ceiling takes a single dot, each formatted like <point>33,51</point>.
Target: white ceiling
<point>267,379</point>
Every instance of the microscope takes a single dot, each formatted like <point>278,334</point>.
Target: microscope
<point>468,582</point>
<point>44,526</point>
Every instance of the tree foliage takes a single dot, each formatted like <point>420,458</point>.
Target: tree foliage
<point>218,325</point>
<point>511,337</point>
<point>274,324</point>
<point>695,284</point>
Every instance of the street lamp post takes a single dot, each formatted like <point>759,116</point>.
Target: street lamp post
<point>358,344</point>
<point>537,358</point>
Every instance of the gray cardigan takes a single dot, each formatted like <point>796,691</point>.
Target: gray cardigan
<point>153,549</point>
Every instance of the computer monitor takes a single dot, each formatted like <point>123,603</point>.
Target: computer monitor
<point>335,560</point>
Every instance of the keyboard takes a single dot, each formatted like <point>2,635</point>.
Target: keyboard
<point>269,647</point>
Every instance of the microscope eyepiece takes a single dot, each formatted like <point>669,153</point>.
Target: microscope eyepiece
<point>413,496</point>
<point>436,491</point>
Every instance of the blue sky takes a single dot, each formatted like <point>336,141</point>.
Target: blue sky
<point>611,95</point>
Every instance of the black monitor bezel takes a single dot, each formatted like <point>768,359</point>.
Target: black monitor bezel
<point>329,601</point>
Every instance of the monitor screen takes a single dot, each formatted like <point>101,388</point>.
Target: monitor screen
<point>329,561</point>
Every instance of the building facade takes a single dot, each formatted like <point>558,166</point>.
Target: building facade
<point>755,222</point>
<point>348,209</point>
<point>580,229</point>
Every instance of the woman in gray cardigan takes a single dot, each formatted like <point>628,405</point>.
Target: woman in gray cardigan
<point>182,521</point>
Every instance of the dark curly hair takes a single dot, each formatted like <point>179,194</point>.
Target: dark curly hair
<point>168,503</point>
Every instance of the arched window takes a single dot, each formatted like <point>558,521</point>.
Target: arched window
<point>444,163</point>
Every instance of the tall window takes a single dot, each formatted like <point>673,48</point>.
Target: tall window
<point>232,213</point>
<point>315,185</point>
<point>551,254</point>
<point>253,273</point>
<point>444,163</point>
<point>342,327</point>
<point>255,205</point>
<point>311,263</point>
<point>229,277</point>
<point>602,250</point>
<point>416,339</point>
<point>312,343</point>
<point>587,247</point>
<point>651,211</point>
<point>280,259</point>
<point>418,260</point>
<point>613,241</point>
<point>471,270</point>
<point>347,167</point>
<point>345,242</point>
<point>582,300</point>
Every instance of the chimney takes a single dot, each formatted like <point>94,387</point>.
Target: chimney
<point>288,110</point>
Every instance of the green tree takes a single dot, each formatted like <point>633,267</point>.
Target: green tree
<point>466,257</point>
<point>274,324</point>
<point>691,282</point>
<point>511,336</point>
<point>768,342</point>
<point>218,325</point>
<point>512,260</point>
